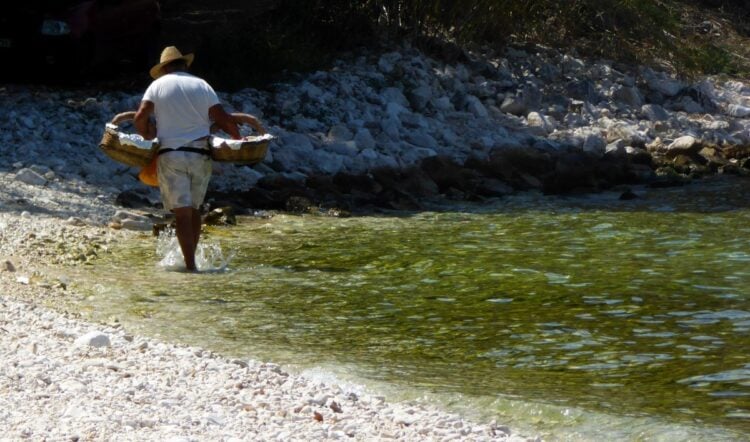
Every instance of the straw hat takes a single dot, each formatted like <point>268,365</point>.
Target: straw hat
<point>168,55</point>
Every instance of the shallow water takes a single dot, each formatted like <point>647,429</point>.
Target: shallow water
<point>581,317</point>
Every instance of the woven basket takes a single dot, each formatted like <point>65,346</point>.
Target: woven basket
<point>249,150</point>
<point>122,151</point>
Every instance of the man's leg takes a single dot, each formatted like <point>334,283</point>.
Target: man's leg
<point>196,227</point>
<point>183,180</point>
<point>186,235</point>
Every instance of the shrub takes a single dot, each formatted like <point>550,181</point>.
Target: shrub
<point>246,48</point>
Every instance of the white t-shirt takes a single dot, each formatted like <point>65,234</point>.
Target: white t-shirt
<point>181,103</point>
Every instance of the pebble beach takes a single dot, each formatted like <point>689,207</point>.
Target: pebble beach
<point>63,378</point>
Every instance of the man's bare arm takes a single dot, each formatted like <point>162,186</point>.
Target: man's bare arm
<point>224,121</point>
<point>142,123</point>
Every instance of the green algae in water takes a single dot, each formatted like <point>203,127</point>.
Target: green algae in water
<point>626,309</point>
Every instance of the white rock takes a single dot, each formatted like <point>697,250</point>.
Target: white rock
<point>443,104</point>
<point>250,176</point>
<point>654,112</point>
<point>311,91</point>
<point>347,149</point>
<point>572,65</point>
<point>628,95</point>
<point>688,105</point>
<point>340,132</point>
<point>41,170</point>
<point>420,97</point>
<point>667,86</point>
<point>306,124</point>
<point>421,139</point>
<point>615,149</point>
<point>30,177</point>
<point>391,127</point>
<point>326,162</point>
<point>686,143</point>
<point>514,105</point>
<point>402,418</point>
<point>595,144</point>
<point>394,110</point>
<point>630,150</point>
<point>121,215</point>
<point>394,95</point>
<point>297,142</point>
<point>74,386</point>
<point>93,339</point>
<point>475,106</point>
<point>535,119</point>
<point>137,225</point>
<point>75,221</point>
<point>320,400</point>
<point>738,111</point>
<point>364,139</point>
<point>387,62</point>
<point>27,121</point>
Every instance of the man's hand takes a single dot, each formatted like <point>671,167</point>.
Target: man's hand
<point>255,123</point>
<point>143,125</point>
<point>224,121</point>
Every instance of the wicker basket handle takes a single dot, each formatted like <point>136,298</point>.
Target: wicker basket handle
<point>125,116</point>
<point>248,119</point>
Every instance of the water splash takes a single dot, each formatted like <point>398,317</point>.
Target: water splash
<point>208,257</point>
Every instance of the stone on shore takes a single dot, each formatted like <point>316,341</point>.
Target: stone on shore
<point>30,177</point>
<point>93,339</point>
<point>738,111</point>
<point>684,145</point>
<point>7,266</point>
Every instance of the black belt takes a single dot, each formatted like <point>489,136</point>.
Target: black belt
<point>206,152</point>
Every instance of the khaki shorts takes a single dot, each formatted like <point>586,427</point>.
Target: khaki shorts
<point>183,179</point>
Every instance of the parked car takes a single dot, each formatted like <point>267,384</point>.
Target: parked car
<point>77,34</point>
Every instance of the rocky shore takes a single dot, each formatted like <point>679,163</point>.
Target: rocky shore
<point>394,130</point>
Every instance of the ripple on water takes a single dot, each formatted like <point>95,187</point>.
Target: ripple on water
<point>500,300</point>
<point>731,315</point>
<point>740,374</point>
<point>556,278</point>
<point>653,334</point>
<point>735,256</point>
<point>704,338</point>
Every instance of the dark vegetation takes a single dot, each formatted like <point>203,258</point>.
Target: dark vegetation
<point>250,43</point>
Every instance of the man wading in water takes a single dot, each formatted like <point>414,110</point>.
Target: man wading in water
<point>184,107</point>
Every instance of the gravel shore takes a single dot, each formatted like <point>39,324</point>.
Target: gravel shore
<point>63,378</point>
